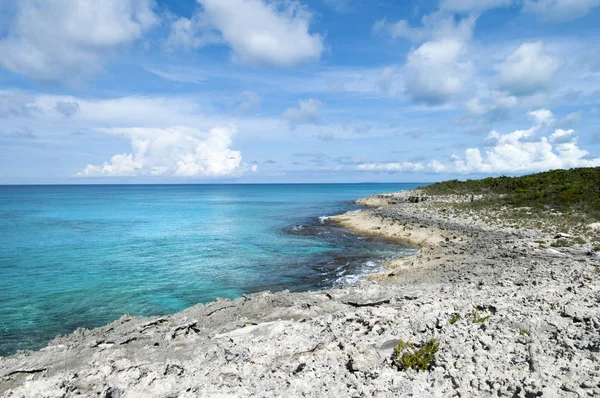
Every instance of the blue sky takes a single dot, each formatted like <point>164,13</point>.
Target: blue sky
<point>111,91</point>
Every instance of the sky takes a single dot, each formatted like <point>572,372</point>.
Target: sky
<point>261,91</point>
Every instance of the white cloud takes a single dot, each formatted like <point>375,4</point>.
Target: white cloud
<point>560,10</point>
<point>542,117</point>
<point>476,107</point>
<point>437,71</point>
<point>496,106</point>
<point>258,32</point>
<point>180,152</point>
<point>391,166</point>
<point>191,33</point>
<point>521,151</point>
<point>400,29</point>
<point>436,26</point>
<point>473,5</point>
<point>386,79</point>
<point>52,40</point>
<point>434,166</point>
<point>308,112</point>
<point>179,76</point>
<point>563,137</point>
<point>527,70</point>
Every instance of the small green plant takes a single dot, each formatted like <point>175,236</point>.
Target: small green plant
<point>523,332</point>
<point>407,356</point>
<point>540,242</point>
<point>454,318</point>
<point>596,248</point>
<point>542,246</point>
<point>478,318</point>
<point>580,240</point>
<point>561,243</point>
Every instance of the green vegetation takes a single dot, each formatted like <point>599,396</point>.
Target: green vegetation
<point>523,332</point>
<point>407,356</point>
<point>580,240</point>
<point>558,191</point>
<point>454,318</point>
<point>478,318</point>
<point>561,243</point>
<point>596,248</point>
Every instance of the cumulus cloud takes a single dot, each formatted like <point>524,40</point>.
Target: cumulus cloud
<point>52,40</point>
<point>308,112</point>
<point>521,151</point>
<point>191,33</point>
<point>560,10</point>
<point>257,31</point>
<point>180,152</point>
<point>527,70</point>
<point>542,117</point>
<point>437,71</point>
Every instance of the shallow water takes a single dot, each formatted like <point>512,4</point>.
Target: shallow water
<point>81,256</point>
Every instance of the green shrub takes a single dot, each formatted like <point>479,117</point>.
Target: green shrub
<point>454,318</point>
<point>477,318</point>
<point>559,190</point>
<point>580,240</point>
<point>523,332</point>
<point>407,356</point>
<point>561,243</point>
<point>596,248</point>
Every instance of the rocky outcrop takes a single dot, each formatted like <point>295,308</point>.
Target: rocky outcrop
<point>414,196</point>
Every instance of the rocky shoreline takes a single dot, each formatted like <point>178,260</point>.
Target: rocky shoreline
<point>513,318</point>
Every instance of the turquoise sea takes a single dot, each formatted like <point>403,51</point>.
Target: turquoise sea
<point>82,256</point>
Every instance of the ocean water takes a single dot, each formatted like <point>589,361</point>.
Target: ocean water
<point>82,256</point>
